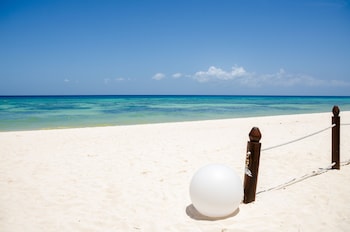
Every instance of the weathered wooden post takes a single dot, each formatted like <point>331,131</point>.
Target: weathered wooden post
<point>252,165</point>
<point>336,138</point>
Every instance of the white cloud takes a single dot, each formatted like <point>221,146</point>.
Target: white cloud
<point>177,75</point>
<point>281,78</point>
<point>214,73</point>
<point>119,79</point>
<point>66,80</point>
<point>238,76</point>
<point>158,76</point>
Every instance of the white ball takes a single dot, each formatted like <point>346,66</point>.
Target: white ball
<point>216,190</point>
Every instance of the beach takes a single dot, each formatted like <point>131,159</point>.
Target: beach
<point>136,177</point>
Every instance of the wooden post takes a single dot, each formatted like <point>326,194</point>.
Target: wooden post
<point>252,165</point>
<point>336,138</point>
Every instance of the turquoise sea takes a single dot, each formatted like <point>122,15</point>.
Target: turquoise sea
<point>48,112</point>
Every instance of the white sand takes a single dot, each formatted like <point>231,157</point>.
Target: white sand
<point>136,178</point>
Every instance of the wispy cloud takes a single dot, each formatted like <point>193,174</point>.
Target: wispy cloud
<point>158,76</point>
<point>177,75</point>
<point>281,78</point>
<point>109,81</point>
<point>106,80</point>
<point>340,83</point>
<point>66,80</point>
<point>285,79</point>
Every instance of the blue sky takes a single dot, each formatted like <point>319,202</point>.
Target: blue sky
<point>276,47</point>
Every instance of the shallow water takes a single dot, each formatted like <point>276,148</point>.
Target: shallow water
<point>48,112</point>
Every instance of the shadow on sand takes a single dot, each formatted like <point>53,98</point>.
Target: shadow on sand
<point>194,214</point>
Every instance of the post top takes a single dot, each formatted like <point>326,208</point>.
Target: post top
<point>335,110</point>
<point>254,134</point>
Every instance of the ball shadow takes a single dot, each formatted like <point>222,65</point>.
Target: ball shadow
<point>192,212</point>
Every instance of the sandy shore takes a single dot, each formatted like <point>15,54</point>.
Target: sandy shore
<point>136,178</point>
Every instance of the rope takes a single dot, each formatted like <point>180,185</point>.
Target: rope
<point>304,177</point>
<point>344,163</point>
<point>296,140</point>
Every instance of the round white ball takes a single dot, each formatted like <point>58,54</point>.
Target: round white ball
<point>216,190</point>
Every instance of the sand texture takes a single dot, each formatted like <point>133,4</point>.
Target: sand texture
<point>136,178</point>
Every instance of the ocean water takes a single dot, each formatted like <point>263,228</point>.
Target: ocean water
<point>49,112</point>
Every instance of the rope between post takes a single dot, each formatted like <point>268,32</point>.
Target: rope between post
<point>296,140</point>
<point>306,176</point>
<point>345,124</point>
<point>344,163</point>
<point>297,180</point>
